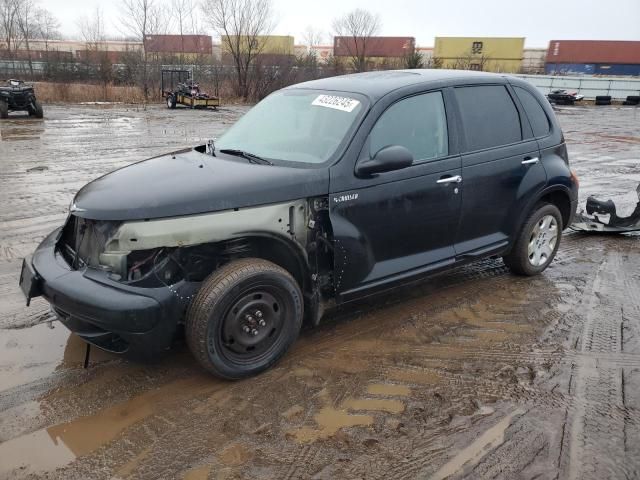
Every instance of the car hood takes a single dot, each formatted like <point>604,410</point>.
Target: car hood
<point>189,182</point>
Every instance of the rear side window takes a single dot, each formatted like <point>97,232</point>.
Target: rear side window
<point>538,119</point>
<point>489,116</point>
<point>418,123</point>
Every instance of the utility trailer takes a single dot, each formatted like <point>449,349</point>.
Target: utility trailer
<point>178,88</point>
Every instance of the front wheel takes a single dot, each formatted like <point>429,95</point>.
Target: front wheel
<point>537,242</point>
<point>4,109</point>
<point>171,101</point>
<point>36,111</point>
<point>244,318</point>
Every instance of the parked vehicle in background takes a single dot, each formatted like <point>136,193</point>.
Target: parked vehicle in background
<point>324,192</point>
<point>564,97</point>
<point>16,96</point>
<point>178,88</point>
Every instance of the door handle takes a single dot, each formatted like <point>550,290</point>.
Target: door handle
<point>453,179</point>
<point>530,161</point>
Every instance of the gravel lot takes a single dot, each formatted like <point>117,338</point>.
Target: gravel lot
<point>473,374</point>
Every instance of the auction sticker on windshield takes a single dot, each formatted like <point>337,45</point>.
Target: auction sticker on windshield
<point>345,104</point>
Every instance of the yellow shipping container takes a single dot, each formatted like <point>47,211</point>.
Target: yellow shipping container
<point>269,45</point>
<point>489,54</point>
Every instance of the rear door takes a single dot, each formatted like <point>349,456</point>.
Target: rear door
<point>501,169</point>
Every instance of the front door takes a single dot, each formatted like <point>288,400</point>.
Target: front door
<point>400,223</point>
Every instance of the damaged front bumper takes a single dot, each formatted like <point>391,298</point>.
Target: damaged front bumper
<point>120,318</point>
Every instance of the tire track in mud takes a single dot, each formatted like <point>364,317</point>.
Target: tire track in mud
<point>594,444</point>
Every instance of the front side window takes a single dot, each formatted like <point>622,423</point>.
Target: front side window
<point>489,116</point>
<point>301,126</point>
<point>418,123</point>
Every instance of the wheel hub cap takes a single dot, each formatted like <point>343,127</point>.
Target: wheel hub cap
<point>252,323</point>
<point>542,242</point>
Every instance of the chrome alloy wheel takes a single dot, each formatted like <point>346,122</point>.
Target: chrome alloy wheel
<point>543,240</point>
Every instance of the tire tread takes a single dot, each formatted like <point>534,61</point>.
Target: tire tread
<point>213,289</point>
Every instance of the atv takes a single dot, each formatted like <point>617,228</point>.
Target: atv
<point>17,95</point>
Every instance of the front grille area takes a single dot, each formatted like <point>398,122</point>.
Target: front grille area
<point>20,100</point>
<point>83,240</point>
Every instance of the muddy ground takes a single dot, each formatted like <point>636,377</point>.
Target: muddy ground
<point>473,374</point>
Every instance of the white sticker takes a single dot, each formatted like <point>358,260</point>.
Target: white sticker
<point>345,104</point>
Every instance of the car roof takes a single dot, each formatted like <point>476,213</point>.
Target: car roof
<point>377,84</point>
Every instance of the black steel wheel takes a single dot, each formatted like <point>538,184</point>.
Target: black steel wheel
<point>4,109</point>
<point>244,318</point>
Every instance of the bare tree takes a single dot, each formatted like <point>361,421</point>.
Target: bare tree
<point>358,26</point>
<point>93,34</point>
<point>48,26</point>
<point>470,61</point>
<point>312,37</point>
<point>141,18</point>
<point>26,16</point>
<point>241,24</point>
<point>8,24</point>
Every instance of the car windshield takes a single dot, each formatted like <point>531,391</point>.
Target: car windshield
<point>303,126</point>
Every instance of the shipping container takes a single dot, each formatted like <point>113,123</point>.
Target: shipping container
<point>570,69</point>
<point>493,54</point>
<point>380,47</point>
<point>267,44</point>
<point>533,60</point>
<point>194,44</point>
<point>594,51</point>
<point>618,69</point>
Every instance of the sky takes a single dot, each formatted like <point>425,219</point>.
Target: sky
<point>537,20</point>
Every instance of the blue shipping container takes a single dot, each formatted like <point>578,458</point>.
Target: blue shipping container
<point>618,69</point>
<point>570,68</point>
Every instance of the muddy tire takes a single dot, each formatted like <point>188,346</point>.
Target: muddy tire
<point>244,318</point>
<point>171,101</point>
<point>37,110</point>
<point>4,109</point>
<point>537,242</point>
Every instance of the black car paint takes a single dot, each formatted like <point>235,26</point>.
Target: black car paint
<point>385,229</point>
<point>496,194</point>
<point>188,183</point>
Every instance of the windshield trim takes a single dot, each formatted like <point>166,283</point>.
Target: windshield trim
<point>342,147</point>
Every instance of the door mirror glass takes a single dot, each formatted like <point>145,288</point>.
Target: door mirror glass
<point>392,157</point>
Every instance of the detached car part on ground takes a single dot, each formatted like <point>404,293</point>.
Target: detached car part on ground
<point>16,96</point>
<point>323,193</point>
<point>602,216</point>
<point>564,97</point>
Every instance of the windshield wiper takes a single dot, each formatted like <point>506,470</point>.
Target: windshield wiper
<point>249,156</point>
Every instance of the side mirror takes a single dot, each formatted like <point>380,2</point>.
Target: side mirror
<point>393,157</point>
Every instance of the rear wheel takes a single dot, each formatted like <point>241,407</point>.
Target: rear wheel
<point>171,101</point>
<point>537,242</point>
<point>4,109</point>
<point>244,318</point>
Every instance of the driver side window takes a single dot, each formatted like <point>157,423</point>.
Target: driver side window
<point>418,123</point>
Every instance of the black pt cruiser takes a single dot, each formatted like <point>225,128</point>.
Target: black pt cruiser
<point>324,192</point>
